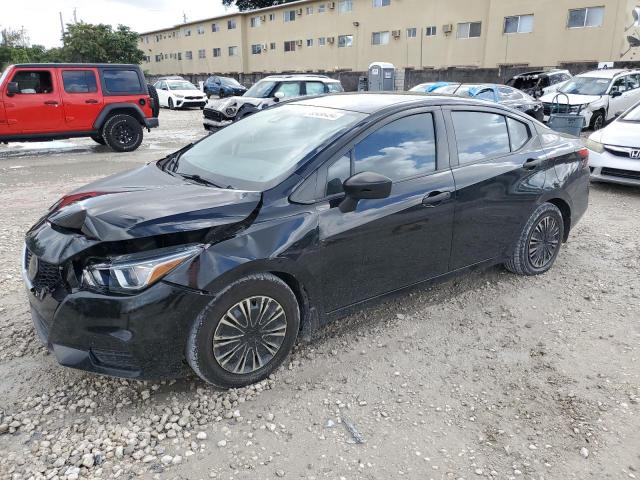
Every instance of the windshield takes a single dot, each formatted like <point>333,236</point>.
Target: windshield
<point>232,82</point>
<point>632,115</point>
<point>586,86</point>
<point>260,89</point>
<point>184,85</point>
<point>335,87</point>
<point>261,150</point>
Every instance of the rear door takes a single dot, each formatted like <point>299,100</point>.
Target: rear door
<point>394,242</point>
<point>37,108</point>
<point>499,169</point>
<point>81,98</point>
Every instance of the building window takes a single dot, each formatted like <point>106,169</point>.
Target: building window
<point>231,24</point>
<point>430,31</point>
<point>412,32</point>
<point>518,24</point>
<point>200,30</point>
<point>158,58</point>
<point>322,41</point>
<point>188,55</point>
<point>379,38</point>
<point>469,29</point>
<point>346,40</point>
<point>273,46</point>
<point>586,17</point>
<point>233,51</point>
<point>290,46</point>
<point>201,53</point>
<point>309,10</point>
<point>381,3</point>
<point>309,42</point>
<point>187,32</point>
<point>289,16</point>
<point>256,49</point>
<point>255,22</point>
<point>345,6</point>
<point>322,8</point>
<point>215,27</point>
<point>217,52</point>
<point>272,17</point>
<point>179,55</point>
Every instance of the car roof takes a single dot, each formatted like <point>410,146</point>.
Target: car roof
<point>607,72</point>
<point>541,72</point>
<point>370,102</point>
<point>300,77</point>
<point>74,65</point>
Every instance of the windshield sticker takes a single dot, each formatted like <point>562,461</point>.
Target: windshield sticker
<point>324,114</point>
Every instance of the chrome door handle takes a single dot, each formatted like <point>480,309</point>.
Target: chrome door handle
<point>434,199</point>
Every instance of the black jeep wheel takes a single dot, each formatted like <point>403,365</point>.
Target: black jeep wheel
<point>123,133</point>
<point>98,139</point>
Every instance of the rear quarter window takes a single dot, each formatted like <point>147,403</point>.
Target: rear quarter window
<point>121,81</point>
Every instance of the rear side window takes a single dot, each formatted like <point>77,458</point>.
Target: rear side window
<point>480,135</point>
<point>122,81</point>
<point>33,82</point>
<point>401,149</point>
<point>79,81</point>
<point>518,134</point>
<point>314,88</point>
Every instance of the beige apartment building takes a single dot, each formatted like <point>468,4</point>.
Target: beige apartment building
<point>320,35</point>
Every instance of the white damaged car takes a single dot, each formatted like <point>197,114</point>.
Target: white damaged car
<point>598,96</point>
<point>615,150</point>
<point>268,91</point>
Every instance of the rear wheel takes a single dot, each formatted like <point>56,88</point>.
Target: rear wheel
<point>245,333</point>
<point>539,243</point>
<point>98,139</point>
<point>123,133</point>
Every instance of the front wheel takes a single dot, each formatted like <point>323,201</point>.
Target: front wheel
<point>597,121</point>
<point>539,243</point>
<point>98,139</point>
<point>245,333</point>
<point>171,107</point>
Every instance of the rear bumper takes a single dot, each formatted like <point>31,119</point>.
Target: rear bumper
<point>151,122</point>
<point>141,336</point>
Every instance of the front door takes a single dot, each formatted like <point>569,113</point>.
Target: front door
<point>500,173</point>
<point>624,94</point>
<point>37,107</point>
<point>394,242</point>
<point>81,98</point>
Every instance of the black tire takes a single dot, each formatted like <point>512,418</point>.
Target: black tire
<point>524,259</point>
<point>98,139</point>
<point>170,104</point>
<point>204,357</point>
<point>155,101</point>
<point>597,120</point>
<point>123,133</point>
<point>244,112</point>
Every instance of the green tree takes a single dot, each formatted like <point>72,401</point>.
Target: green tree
<point>253,4</point>
<point>85,42</point>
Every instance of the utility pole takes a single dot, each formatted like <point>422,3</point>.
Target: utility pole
<point>75,16</point>
<point>61,26</point>
<point>184,17</point>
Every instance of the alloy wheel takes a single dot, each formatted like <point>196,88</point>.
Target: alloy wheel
<point>249,335</point>
<point>124,134</point>
<point>544,241</point>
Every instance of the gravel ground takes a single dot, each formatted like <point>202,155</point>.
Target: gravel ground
<point>491,375</point>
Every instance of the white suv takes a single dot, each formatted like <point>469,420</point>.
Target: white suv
<point>599,96</point>
<point>221,112</point>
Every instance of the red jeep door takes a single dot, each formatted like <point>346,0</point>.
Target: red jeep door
<point>37,108</point>
<point>81,98</point>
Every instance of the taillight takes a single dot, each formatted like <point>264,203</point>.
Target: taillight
<point>73,198</point>
<point>583,153</point>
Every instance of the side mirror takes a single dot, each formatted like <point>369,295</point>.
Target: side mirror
<point>364,186</point>
<point>278,96</point>
<point>13,88</point>
<point>616,93</point>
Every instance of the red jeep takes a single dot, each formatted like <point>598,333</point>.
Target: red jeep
<point>109,103</point>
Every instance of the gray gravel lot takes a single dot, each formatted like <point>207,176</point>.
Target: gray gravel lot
<point>490,375</point>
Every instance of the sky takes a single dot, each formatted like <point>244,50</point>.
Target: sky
<point>41,20</point>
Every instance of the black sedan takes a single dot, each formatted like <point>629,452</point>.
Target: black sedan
<point>218,256</point>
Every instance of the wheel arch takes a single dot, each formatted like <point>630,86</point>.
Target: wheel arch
<point>119,108</point>
<point>565,210</point>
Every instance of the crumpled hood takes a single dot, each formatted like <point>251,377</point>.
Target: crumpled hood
<point>147,201</point>
<point>221,103</point>
<point>573,98</point>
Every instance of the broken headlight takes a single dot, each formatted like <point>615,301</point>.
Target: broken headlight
<point>130,273</point>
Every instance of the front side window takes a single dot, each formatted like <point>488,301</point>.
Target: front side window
<point>337,173</point>
<point>33,82</point>
<point>264,148</point>
<point>314,88</point>
<point>480,135</point>
<point>586,17</point>
<point>345,6</point>
<point>469,29</point>
<point>79,81</point>
<point>380,38</point>
<point>289,89</point>
<point>518,24</point>
<point>401,149</point>
<point>260,89</point>
<point>345,41</point>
